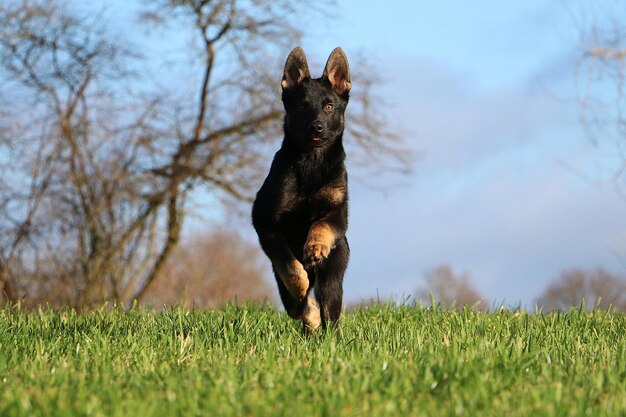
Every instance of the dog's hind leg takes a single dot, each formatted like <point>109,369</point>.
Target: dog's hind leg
<point>329,283</point>
<point>311,319</point>
<point>293,306</point>
<point>290,273</point>
<point>305,309</point>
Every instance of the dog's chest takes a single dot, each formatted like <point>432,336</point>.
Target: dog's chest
<point>307,204</point>
<point>297,205</point>
<point>311,185</point>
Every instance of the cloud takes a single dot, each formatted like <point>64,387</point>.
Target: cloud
<point>489,196</point>
<point>512,234</point>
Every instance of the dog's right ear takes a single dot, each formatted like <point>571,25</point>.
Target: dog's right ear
<point>296,69</point>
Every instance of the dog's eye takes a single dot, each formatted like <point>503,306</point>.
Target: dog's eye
<point>328,107</point>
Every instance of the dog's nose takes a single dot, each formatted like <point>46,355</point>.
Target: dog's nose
<point>317,127</point>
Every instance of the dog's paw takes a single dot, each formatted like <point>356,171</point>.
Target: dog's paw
<point>315,253</point>
<point>319,243</point>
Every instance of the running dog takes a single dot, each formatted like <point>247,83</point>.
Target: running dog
<point>301,211</point>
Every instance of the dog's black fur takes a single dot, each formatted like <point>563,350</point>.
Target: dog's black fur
<point>301,212</point>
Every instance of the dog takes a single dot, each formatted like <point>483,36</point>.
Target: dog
<point>300,213</point>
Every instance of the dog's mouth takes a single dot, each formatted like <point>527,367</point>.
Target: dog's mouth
<point>317,141</point>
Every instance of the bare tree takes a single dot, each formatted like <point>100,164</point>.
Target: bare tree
<point>208,271</point>
<point>99,172</point>
<point>597,288</point>
<point>70,201</point>
<point>449,289</point>
<point>600,75</point>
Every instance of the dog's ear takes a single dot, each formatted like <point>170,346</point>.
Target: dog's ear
<point>296,69</point>
<point>337,71</point>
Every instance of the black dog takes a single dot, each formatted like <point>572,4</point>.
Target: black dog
<point>301,211</point>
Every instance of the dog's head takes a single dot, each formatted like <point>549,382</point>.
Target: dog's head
<point>315,107</point>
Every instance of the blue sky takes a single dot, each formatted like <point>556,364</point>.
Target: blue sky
<point>507,186</point>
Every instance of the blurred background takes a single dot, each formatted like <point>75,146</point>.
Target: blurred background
<point>485,140</point>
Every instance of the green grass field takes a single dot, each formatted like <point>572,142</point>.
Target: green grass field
<point>253,361</point>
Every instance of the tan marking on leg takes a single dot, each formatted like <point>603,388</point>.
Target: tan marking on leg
<point>311,316</point>
<point>319,243</point>
<point>335,195</point>
<point>294,277</point>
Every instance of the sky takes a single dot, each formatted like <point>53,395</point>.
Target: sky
<point>507,186</point>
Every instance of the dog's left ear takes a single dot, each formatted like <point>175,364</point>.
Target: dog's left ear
<point>337,71</point>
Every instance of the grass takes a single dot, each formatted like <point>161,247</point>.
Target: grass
<point>253,361</point>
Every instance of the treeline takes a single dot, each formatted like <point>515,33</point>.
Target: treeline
<point>574,288</point>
